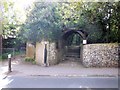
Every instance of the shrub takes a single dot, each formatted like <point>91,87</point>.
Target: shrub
<point>28,59</point>
<point>34,62</point>
<point>0,57</point>
<point>4,56</point>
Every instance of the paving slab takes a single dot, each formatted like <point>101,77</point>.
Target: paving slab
<point>65,68</point>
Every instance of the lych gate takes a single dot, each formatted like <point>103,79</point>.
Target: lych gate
<point>70,47</point>
<point>71,44</point>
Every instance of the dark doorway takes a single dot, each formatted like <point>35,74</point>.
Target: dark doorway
<point>72,44</point>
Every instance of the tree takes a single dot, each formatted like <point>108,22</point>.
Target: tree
<point>42,23</point>
<point>74,16</point>
<point>10,24</point>
<point>0,28</point>
<point>47,20</point>
<point>104,14</point>
<point>9,20</point>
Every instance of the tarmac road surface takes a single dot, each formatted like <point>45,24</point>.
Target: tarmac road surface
<point>58,82</point>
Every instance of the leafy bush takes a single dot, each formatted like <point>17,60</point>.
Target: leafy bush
<point>0,57</point>
<point>32,60</point>
<point>4,56</point>
<point>28,59</point>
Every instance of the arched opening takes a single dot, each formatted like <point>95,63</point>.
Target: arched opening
<point>72,45</point>
<point>72,42</point>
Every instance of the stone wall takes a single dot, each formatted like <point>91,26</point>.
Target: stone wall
<point>52,54</point>
<point>100,55</point>
<point>52,57</point>
<point>39,57</point>
<point>30,50</point>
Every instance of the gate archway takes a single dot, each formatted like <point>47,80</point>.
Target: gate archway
<point>72,42</point>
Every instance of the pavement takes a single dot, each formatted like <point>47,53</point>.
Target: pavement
<point>65,68</point>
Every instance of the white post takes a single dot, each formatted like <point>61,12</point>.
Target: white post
<point>9,56</point>
<point>84,41</point>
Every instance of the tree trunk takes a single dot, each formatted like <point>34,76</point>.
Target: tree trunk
<point>0,44</point>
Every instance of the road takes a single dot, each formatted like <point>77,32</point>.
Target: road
<point>59,82</point>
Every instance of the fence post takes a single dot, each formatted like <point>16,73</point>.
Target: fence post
<point>9,63</point>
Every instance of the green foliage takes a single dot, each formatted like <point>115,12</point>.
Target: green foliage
<point>28,59</point>
<point>9,20</point>
<point>101,15</point>
<point>4,56</point>
<point>42,23</point>
<point>33,62</point>
<point>6,51</point>
<point>0,57</point>
<point>47,20</point>
<point>13,43</point>
<point>10,25</point>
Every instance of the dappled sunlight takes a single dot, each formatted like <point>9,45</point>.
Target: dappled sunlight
<point>3,69</point>
<point>21,6</point>
<point>87,88</point>
<point>15,62</point>
<point>18,10</point>
<point>4,83</point>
